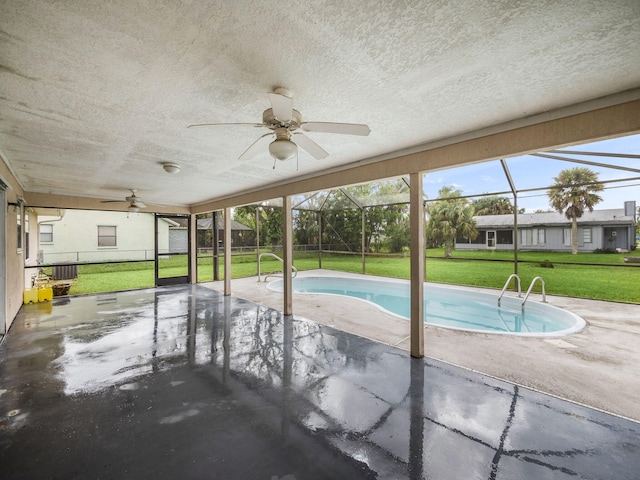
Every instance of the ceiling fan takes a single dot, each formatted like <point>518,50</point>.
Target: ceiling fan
<point>135,203</point>
<point>284,121</point>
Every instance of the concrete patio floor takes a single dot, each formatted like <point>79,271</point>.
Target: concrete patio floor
<point>597,367</point>
<point>183,382</point>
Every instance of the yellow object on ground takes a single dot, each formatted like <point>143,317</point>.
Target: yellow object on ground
<point>30,296</point>
<point>45,294</point>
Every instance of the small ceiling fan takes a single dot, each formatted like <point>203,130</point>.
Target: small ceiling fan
<point>135,203</point>
<point>284,121</point>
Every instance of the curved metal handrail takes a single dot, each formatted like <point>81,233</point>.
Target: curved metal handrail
<point>544,295</point>
<point>513,275</point>
<point>268,254</point>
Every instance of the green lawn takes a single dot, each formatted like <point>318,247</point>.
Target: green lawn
<point>588,275</point>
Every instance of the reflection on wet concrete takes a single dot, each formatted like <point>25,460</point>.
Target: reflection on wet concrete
<point>181,382</point>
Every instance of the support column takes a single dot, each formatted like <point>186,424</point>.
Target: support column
<point>287,250</point>
<point>215,246</point>
<point>193,250</point>
<point>257,236</point>
<point>320,239</point>
<point>416,213</point>
<point>362,243</point>
<point>227,251</point>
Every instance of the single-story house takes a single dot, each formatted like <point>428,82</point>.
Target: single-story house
<point>551,231</point>
<point>70,235</point>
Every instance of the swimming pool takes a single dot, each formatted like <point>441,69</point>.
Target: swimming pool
<point>449,306</point>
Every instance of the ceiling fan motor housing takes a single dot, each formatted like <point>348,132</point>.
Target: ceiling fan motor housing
<point>271,122</point>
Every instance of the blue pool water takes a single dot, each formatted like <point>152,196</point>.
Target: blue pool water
<point>449,307</point>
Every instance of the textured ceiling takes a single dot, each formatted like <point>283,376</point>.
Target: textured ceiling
<point>94,95</point>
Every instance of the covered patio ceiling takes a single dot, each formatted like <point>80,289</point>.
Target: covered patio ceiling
<point>95,96</point>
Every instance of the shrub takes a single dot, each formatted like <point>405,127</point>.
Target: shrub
<point>605,250</point>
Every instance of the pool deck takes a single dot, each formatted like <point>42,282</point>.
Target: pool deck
<point>597,367</point>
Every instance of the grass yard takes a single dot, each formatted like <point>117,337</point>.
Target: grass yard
<point>584,275</point>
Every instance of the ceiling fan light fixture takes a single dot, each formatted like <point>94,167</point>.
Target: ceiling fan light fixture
<point>170,167</point>
<point>133,209</point>
<point>282,149</point>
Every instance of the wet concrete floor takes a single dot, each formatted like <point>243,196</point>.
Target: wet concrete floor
<point>182,382</point>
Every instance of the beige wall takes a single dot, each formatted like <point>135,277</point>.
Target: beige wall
<point>14,259</point>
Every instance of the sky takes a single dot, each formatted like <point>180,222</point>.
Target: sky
<point>534,172</point>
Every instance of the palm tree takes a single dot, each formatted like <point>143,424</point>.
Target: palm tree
<point>572,194</point>
<point>450,218</point>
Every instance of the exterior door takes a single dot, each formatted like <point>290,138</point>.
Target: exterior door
<point>172,249</point>
<point>491,239</point>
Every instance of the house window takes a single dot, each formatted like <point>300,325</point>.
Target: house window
<point>504,237</point>
<point>481,239</point>
<point>566,232</point>
<point>533,236</point>
<point>586,235</point>
<point>46,233</point>
<point>107,236</point>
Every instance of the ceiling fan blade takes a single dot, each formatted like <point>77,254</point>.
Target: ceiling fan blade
<point>310,146</point>
<point>256,147</point>
<point>329,127</point>
<point>226,125</point>
<point>113,201</point>
<point>282,106</point>
<point>138,204</point>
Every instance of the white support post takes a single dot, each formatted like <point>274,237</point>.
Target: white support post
<point>287,247</point>
<point>416,213</point>
<point>227,251</point>
<point>193,249</point>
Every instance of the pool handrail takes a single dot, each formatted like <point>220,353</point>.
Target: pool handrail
<point>269,254</point>
<point>544,295</point>
<point>513,275</point>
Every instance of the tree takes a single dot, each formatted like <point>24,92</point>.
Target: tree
<point>305,227</point>
<point>449,218</point>
<point>572,193</point>
<point>492,205</point>
<point>384,218</point>
<point>269,218</point>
